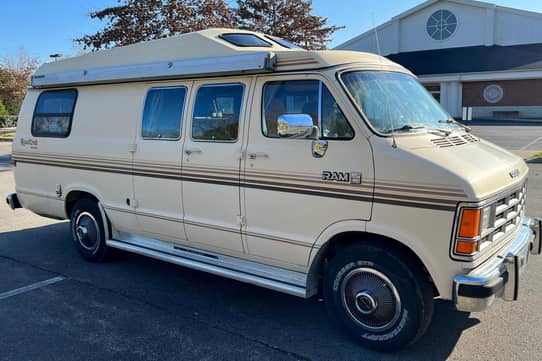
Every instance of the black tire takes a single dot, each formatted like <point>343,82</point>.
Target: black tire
<point>380,294</point>
<point>88,231</point>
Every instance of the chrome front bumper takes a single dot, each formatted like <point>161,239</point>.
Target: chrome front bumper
<point>13,201</point>
<point>499,276</point>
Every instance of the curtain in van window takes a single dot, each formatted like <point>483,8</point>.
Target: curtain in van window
<point>53,113</point>
<point>163,113</point>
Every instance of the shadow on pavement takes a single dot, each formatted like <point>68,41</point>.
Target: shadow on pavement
<point>296,326</point>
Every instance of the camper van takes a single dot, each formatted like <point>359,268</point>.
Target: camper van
<point>313,173</point>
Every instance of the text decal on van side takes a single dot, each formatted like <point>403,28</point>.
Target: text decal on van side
<point>344,177</point>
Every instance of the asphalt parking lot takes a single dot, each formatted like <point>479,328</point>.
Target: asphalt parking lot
<point>135,308</point>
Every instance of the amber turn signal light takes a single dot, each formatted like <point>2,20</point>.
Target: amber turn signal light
<point>466,247</point>
<point>470,223</point>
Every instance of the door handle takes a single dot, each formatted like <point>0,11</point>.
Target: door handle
<point>192,151</point>
<point>258,155</point>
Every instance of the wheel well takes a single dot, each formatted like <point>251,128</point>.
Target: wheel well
<point>343,240</point>
<point>73,197</point>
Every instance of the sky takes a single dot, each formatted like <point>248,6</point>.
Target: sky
<point>46,27</point>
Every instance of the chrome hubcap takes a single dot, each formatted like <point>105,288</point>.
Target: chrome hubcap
<point>82,232</point>
<point>371,299</point>
<point>366,303</point>
<point>87,231</point>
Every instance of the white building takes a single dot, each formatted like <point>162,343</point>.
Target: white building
<point>467,53</point>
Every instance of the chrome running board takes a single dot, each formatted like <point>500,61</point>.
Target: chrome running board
<point>278,279</point>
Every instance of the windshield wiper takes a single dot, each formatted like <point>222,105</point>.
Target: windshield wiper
<point>404,128</point>
<point>409,127</point>
<point>455,122</point>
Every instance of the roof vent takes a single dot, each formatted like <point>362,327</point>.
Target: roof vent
<point>454,141</point>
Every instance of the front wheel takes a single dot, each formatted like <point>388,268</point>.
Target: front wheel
<point>382,297</point>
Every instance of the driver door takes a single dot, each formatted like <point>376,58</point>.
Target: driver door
<point>291,196</point>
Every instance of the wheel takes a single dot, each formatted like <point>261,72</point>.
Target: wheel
<point>380,294</point>
<point>88,230</point>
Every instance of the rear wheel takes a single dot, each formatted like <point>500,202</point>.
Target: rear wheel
<point>382,297</point>
<point>88,230</point>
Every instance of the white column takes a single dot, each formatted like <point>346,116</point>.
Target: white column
<point>454,99</point>
<point>444,95</point>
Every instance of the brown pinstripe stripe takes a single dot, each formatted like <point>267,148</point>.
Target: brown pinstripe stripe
<point>304,177</point>
<point>332,190</point>
<point>318,180</point>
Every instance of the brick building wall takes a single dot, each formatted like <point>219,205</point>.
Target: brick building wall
<point>516,93</point>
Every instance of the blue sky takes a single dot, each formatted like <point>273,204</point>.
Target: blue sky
<point>46,27</point>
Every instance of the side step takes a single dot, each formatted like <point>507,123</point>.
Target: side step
<point>278,279</point>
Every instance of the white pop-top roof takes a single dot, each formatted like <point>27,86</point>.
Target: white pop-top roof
<point>202,52</point>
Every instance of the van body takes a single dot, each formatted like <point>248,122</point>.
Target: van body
<point>325,172</point>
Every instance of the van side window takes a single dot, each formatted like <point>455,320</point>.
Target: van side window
<point>216,112</point>
<point>304,97</point>
<point>163,113</point>
<point>54,113</point>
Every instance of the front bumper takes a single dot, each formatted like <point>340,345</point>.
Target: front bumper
<point>499,277</point>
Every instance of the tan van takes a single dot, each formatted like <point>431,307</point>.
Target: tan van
<point>306,172</point>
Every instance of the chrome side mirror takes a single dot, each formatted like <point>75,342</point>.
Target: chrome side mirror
<point>295,126</point>
<point>302,126</point>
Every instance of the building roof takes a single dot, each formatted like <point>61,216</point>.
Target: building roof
<point>473,59</point>
<point>425,4</point>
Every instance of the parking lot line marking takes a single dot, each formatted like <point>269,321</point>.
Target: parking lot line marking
<point>531,143</point>
<point>31,287</point>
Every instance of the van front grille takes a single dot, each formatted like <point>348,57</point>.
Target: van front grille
<point>507,213</point>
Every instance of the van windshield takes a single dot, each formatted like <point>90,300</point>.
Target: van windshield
<point>396,102</point>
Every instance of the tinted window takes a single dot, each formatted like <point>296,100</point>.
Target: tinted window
<point>54,113</point>
<point>303,97</point>
<point>245,40</point>
<point>216,112</point>
<point>163,113</point>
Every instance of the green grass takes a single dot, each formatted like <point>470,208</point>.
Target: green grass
<point>7,136</point>
<point>537,155</point>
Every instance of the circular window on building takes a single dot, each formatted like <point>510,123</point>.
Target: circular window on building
<point>493,93</point>
<point>441,25</point>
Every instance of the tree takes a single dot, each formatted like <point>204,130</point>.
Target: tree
<point>288,19</point>
<point>129,22</point>
<point>3,110</point>
<point>132,21</point>
<point>193,15</point>
<point>14,80</point>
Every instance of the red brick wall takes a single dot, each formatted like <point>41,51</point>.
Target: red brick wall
<point>516,93</point>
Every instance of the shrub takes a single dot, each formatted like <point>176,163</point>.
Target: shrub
<point>8,121</point>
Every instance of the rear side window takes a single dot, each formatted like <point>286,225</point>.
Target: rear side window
<point>53,114</point>
<point>216,112</point>
<point>309,97</point>
<point>163,113</point>
<point>245,40</point>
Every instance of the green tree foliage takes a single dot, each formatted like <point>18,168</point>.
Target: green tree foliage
<point>15,76</point>
<point>3,110</point>
<point>288,19</point>
<point>133,21</point>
